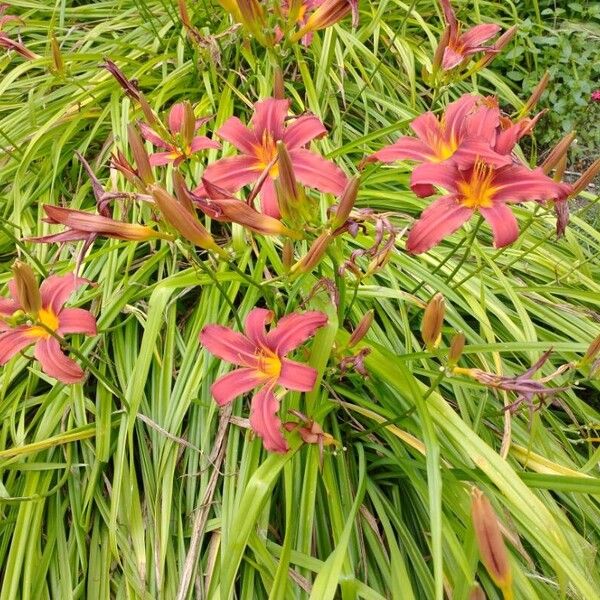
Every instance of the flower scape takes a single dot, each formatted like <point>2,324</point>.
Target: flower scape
<point>293,306</point>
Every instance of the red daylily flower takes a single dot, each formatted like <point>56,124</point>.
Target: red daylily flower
<point>313,15</point>
<point>258,158</point>
<point>182,125</point>
<point>15,336</point>
<point>465,132</point>
<point>481,188</point>
<point>462,45</point>
<point>263,362</point>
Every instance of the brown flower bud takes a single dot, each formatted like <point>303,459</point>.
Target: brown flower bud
<point>558,152</point>
<point>490,542</point>
<point>346,203</point>
<point>539,89</point>
<point>142,162</point>
<point>315,254</point>
<point>586,178</point>
<point>58,64</point>
<point>28,291</point>
<point>456,348</point>
<point>362,328</point>
<point>287,254</point>
<point>278,85</point>
<point>433,319</point>
<point>286,178</point>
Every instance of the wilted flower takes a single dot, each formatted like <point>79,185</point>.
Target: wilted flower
<point>462,45</point>
<point>263,362</point>
<point>23,324</point>
<point>481,188</point>
<point>310,432</point>
<point>7,42</point>
<point>182,141</point>
<point>258,159</point>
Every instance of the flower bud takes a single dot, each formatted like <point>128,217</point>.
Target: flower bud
<point>315,254</point>
<point>129,87</point>
<point>433,319</point>
<point>558,152</point>
<point>362,328</point>
<point>586,178</point>
<point>287,254</point>
<point>346,203</point>
<point>287,179</point>
<point>140,156</point>
<point>58,64</point>
<point>592,352</point>
<point>456,348</point>
<point>278,85</point>
<point>539,89</point>
<point>490,542</point>
<point>327,14</point>
<point>441,47</point>
<point>500,44</point>
<point>28,291</point>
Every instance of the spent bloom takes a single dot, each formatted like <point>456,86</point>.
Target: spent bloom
<point>482,188</point>
<point>7,42</point>
<point>181,140</point>
<point>263,362</point>
<point>258,154</point>
<point>460,46</point>
<point>32,316</point>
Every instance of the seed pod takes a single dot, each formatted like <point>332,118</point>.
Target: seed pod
<point>490,542</point>
<point>433,319</point>
<point>28,291</point>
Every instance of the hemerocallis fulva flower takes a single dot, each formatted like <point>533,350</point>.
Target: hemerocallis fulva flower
<point>462,45</point>
<point>261,357</point>
<point>481,188</point>
<point>183,141</point>
<point>258,154</point>
<point>313,15</point>
<point>23,324</point>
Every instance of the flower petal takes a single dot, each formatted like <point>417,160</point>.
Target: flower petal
<point>503,223</point>
<point>316,172</point>
<point>405,148</point>
<point>472,150</point>
<point>232,173</point>
<point>294,329</point>
<point>55,363</point>
<point>455,116</point>
<point>427,127</point>
<point>149,134</point>
<point>452,58</point>
<point>254,327</point>
<point>269,204</point>
<point>13,341</point>
<point>229,345</point>
<point>76,320</point>
<point>201,142</point>
<point>429,174</point>
<point>303,130</point>
<point>236,133</point>
<point>8,306</point>
<point>269,115</point>
<point>518,183</point>
<point>264,420</point>
<point>480,33</point>
<point>439,219</point>
<point>164,158</point>
<point>56,289</point>
<point>234,384</point>
<point>296,376</point>
<point>176,116</point>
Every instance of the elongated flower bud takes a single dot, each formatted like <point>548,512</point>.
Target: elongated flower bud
<point>57,62</point>
<point>539,89</point>
<point>500,44</point>
<point>28,291</point>
<point>362,328</point>
<point>558,152</point>
<point>592,352</point>
<point>142,162</point>
<point>128,86</point>
<point>456,348</point>
<point>182,193</point>
<point>287,178</point>
<point>287,254</point>
<point>179,217</point>
<point>441,47</point>
<point>278,85</point>
<point>314,255</point>
<point>346,203</point>
<point>433,319</point>
<point>586,178</point>
<point>490,542</point>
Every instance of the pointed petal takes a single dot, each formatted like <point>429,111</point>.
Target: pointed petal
<point>507,139</point>
<point>265,422</point>
<point>55,363</point>
<point>56,289</point>
<point>316,172</point>
<point>8,306</point>
<point>234,384</point>
<point>455,116</point>
<point>176,115</point>
<point>479,34</point>
<point>483,124</point>
<point>236,133</point>
<point>293,330</point>
<point>149,134</point>
<point>429,174</point>
<point>269,116</point>
<point>303,130</point>
<point>472,150</point>
<point>405,148</point>
<point>519,184</point>
<point>451,59</point>
<point>438,220</point>
<point>427,127</point>
<point>229,345</point>
<point>268,199</point>
<point>503,223</point>
<point>13,341</point>
<point>234,172</point>
<point>76,320</point>
<point>254,327</point>
<point>296,376</point>
<point>164,158</point>
<point>201,142</point>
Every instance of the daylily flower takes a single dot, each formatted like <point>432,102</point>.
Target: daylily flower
<point>313,15</point>
<point>462,45</point>
<point>183,141</point>
<point>466,131</point>
<point>258,158</point>
<point>481,188</point>
<point>261,357</point>
<point>20,328</point>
